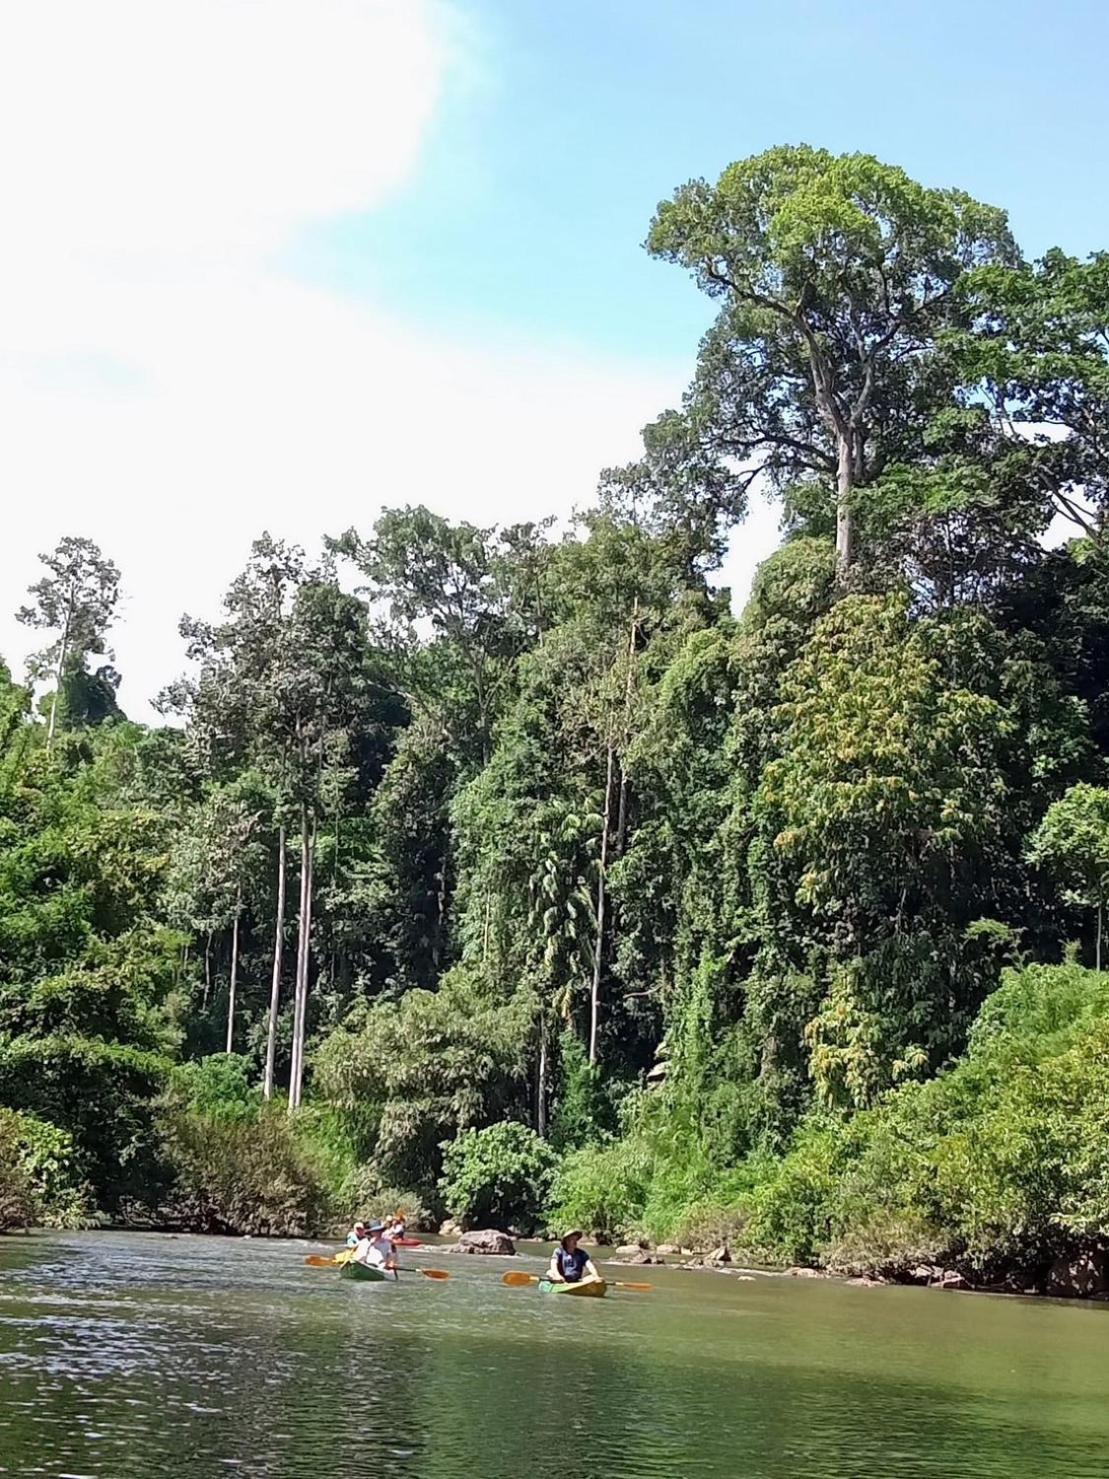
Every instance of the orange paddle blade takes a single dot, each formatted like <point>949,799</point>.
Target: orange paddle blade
<point>317,1260</point>
<point>639,1288</point>
<point>520,1280</point>
<point>433,1273</point>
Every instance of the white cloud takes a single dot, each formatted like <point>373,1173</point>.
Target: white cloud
<point>166,390</point>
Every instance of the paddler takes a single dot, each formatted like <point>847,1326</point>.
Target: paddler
<point>356,1234</point>
<point>374,1249</point>
<point>398,1227</point>
<point>570,1263</point>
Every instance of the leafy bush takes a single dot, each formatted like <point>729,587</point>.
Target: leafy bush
<point>37,1174</point>
<point>498,1177</point>
<point>363,1194</point>
<point>103,1096</point>
<point>220,1086</point>
<point>433,1064</point>
<point>602,1188</point>
<point>242,1176</point>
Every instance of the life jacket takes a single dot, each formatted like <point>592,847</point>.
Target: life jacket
<point>571,1265</point>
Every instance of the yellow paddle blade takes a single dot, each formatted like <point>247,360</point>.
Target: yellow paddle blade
<point>639,1288</point>
<point>519,1280</point>
<point>432,1273</point>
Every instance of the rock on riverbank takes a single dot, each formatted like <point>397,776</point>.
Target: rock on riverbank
<point>485,1240</point>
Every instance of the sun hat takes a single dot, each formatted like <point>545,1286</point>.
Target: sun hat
<point>575,1232</point>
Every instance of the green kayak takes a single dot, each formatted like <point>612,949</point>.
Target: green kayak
<point>361,1273</point>
<point>587,1289</point>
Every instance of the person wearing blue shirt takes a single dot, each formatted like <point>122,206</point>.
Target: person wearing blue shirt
<point>571,1264</point>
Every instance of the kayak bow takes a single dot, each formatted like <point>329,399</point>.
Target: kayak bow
<point>362,1273</point>
<point>586,1289</point>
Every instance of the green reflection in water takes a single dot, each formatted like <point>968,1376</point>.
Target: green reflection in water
<point>124,1355</point>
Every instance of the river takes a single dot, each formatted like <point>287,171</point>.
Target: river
<point>133,1356</point>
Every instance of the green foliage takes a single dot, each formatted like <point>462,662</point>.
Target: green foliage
<point>532,837</point>
<point>1072,842</point>
<point>219,1087</point>
<point>431,1064</point>
<point>993,1165</point>
<point>241,1175</point>
<point>497,1177</point>
<point>38,1178</point>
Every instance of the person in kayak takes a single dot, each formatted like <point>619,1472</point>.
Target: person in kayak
<point>398,1228</point>
<point>374,1249</point>
<point>356,1234</point>
<point>571,1264</point>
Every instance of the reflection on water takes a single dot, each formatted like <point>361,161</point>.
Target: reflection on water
<point>123,1355</point>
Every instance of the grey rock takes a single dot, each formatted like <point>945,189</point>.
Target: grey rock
<point>485,1240</point>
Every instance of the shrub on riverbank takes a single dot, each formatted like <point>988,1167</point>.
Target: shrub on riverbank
<point>242,1175</point>
<point>498,1177</point>
<point>37,1175</point>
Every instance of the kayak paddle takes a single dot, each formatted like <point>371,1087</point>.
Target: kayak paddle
<point>521,1280</point>
<point>317,1260</point>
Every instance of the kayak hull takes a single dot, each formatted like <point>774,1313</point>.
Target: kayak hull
<point>587,1289</point>
<point>359,1273</point>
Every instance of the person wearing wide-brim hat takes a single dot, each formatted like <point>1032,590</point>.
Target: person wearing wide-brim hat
<point>571,1264</point>
<point>374,1249</point>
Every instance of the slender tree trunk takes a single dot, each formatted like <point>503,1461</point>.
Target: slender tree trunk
<point>207,972</point>
<point>308,847</point>
<point>599,942</point>
<point>63,653</point>
<point>278,961</point>
<point>302,939</point>
<point>622,808</point>
<point>541,1085</point>
<point>845,483</point>
<point>1100,920</point>
<point>234,978</point>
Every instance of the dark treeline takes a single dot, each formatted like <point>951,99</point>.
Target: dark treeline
<point>529,881</point>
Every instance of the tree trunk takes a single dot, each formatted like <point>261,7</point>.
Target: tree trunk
<point>845,483</point>
<point>599,942</point>
<point>622,807</point>
<point>63,653</point>
<point>1100,919</point>
<point>234,971</point>
<point>302,941</point>
<point>300,1025</point>
<point>207,972</point>
<point>278,961</point>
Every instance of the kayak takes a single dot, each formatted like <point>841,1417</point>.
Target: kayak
<point>587,1289</point>
<point>361,1273</point>
<point>406,1242</point>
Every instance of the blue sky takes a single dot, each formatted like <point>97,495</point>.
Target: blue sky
<point>275,266</point>
<point>538,181</point>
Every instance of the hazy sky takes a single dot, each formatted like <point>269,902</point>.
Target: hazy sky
<point>276,263</point>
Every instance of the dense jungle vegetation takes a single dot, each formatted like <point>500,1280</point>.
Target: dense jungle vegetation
<point>508,874</point>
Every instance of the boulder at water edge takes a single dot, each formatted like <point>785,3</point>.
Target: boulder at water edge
<point>486,1240</point>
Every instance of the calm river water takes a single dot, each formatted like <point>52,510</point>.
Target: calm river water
<point>127,1356</point>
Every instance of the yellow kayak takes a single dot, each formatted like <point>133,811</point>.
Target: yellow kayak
<point>586,1289</point>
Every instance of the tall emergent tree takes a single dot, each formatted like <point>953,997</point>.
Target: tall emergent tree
<point>76,601</point>
<point>837,277</point>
